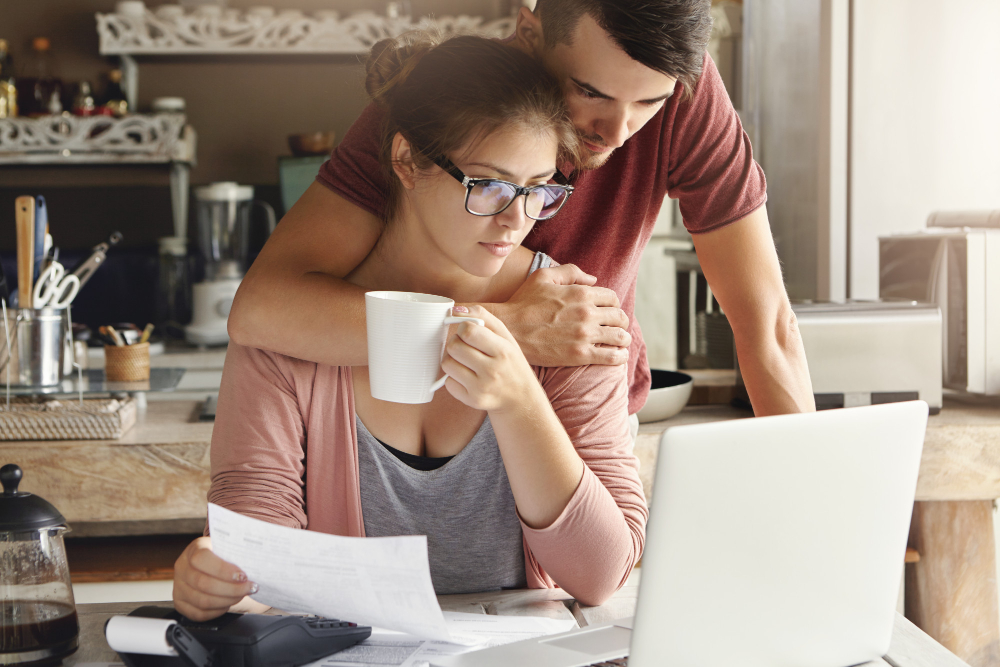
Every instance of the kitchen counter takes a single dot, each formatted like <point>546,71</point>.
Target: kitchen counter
<point>202,370</point>
<point>152,480</point>
<point>961,458</point>
<point>158,471</point>
<point>155,479</point>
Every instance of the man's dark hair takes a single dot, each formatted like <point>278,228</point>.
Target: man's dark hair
<point>669,36</point>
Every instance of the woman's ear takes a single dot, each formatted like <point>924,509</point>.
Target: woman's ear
<point>528,33</point>
<point>402,161</point>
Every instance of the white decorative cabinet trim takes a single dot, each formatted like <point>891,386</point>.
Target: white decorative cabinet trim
<point>153,138</point>
<point>212,30</point>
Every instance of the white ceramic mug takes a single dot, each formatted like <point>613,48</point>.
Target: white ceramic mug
<point>406,336</point>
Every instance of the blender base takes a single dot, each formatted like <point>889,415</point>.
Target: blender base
<point>212,302</point>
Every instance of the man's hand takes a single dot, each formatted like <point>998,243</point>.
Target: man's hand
<point>560,319</point>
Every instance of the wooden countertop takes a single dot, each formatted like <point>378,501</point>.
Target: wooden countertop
<point>156,477</point>
<point>961,459</point>
<point>152,480</point>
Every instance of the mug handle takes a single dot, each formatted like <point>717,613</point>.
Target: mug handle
<point>454,320</point>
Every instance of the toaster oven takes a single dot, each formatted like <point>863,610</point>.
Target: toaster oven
<point>959,270</point>
<point>866,353</point>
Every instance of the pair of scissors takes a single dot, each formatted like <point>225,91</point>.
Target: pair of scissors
<point>55,289</point>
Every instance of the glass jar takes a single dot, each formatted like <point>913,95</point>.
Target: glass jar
<point>38,621</point>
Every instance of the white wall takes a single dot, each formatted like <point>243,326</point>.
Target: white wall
<point>925,119</point>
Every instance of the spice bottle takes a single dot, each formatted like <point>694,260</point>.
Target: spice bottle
<point>115,103</point>
<point>83,103</point>
<point>46,90</point>
<point>8,91</point>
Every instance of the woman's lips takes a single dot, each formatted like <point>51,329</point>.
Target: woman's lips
<point>498,249</point>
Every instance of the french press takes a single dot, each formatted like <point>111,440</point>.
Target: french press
<point>38,623</point>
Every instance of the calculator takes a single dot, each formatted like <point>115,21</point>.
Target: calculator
<point>250,640</point>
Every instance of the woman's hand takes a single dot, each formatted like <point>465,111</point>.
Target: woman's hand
<point>205,586</point>
<point>485,366</point>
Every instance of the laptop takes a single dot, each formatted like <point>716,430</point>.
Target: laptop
<point>771,542</point>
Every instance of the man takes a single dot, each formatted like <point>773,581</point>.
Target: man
<point>655,118</point>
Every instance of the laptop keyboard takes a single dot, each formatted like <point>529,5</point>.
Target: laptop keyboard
<point>618,662</point>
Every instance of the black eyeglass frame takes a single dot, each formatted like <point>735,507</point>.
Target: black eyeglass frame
<point>469,183</point>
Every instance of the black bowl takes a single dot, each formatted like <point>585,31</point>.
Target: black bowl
<point>663,379</point>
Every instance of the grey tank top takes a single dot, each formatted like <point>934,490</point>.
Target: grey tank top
<point>465,508</point>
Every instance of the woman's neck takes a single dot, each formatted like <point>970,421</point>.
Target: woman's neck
<point>406,260</point>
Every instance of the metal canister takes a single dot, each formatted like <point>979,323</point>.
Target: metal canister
<point>37,339</point>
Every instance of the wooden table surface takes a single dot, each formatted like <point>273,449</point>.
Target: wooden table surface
<point>961,458</point>
<point>155,480</point>
<point>159,471</point>
<point>910,647</point>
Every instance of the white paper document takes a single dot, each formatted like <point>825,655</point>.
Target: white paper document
<point>485,630</point>
<point>394,649</point>
<point>377,581</point>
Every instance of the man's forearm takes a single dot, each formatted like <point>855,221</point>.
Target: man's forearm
<point>742,268</point>
<point>775,371</point>
<point>293,299</point>
<point>310,316</point>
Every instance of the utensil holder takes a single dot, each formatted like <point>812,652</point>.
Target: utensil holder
<point>126,363</point>
<point>37,339</point>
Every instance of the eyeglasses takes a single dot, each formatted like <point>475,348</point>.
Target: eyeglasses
<point>490,196</point>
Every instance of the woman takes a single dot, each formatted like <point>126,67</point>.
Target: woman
<point>518,476</point>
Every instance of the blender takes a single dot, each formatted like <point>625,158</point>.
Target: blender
<point>223,215</point>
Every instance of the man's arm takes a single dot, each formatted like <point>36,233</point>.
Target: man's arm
<point>741,266</point>
<point>294,300</point>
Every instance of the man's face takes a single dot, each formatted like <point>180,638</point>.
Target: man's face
<point>609,95</point>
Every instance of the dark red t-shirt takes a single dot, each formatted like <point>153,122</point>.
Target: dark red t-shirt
<point>695,150</point>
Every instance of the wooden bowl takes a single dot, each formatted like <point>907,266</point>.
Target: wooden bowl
<point>311,143</point>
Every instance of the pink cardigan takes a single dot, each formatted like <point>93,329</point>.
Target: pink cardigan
<point>285,450</point>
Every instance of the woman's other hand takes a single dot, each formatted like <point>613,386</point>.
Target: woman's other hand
<point>205,586</point>
<point>485,366</point>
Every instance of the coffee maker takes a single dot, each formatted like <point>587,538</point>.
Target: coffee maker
<point>223,216</point>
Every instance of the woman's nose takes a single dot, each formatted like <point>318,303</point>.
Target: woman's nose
<point>513,217</point>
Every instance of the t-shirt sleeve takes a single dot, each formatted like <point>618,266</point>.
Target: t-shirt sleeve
<point>354,170</point>
<point>710,168</point>
<point>590,549</point>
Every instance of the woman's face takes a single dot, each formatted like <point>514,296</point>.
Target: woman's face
<point>480,244</point>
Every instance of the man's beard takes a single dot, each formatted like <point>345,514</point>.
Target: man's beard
<point>592,160</point>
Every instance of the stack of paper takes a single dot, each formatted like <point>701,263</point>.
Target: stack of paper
<point>475,631</point>
<point>384,582</point>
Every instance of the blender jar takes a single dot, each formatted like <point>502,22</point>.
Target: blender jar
<point>38,622</point>
<point>223,214</point>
